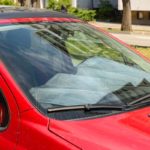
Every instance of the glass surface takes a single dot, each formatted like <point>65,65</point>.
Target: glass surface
<point>65,64</point>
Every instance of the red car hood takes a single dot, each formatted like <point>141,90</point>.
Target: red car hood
<point>126,131</point>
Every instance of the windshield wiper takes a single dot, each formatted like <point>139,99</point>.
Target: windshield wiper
<point>87,107</point>
<point>141,100</point>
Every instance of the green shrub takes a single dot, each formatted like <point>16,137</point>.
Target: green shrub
<point>51,4</point>
<point>6,2</point>
<point>73,10</point>
<point>56,5</point>
<point>84,14</point>
<point>66,3</point>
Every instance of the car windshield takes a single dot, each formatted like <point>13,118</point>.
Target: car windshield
<point>71,63</point>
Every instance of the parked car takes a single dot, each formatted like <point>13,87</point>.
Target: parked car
<point>66,85</point>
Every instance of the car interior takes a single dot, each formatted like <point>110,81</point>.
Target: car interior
<point>33,70</point>
<point>4,117</point>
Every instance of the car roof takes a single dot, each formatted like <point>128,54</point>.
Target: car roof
<point>8,12</point>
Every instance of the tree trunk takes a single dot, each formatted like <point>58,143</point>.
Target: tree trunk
<point>28,3</point>
<point>126,18</point>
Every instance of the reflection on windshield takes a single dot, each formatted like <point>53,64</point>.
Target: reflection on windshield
<point>71,64</point>
<point>95,79</point>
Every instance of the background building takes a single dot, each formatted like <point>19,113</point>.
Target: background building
<point>140,11</point>
<point>140,8</point>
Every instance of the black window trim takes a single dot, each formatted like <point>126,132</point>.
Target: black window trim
<point>8,112</point>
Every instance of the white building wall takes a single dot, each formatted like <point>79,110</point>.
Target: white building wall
<point>74,3</point>
<point>137,5</point>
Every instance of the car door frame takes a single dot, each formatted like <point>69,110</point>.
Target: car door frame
<point>9,134</point>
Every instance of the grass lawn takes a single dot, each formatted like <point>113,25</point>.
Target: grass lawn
<point>144,50</point>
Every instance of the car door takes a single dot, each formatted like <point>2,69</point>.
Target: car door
<point>9,118</point>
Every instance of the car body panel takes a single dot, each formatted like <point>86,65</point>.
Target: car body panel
<point>31,124</point>
<point>127,131</point>
<point>34,130</point>
<point>9,135</point>
<point>24,20</point>
<point>34,134</point>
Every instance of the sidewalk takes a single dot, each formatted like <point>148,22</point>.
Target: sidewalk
<point>134,39</point>
<point>140,35</point>
<point>142,28</point>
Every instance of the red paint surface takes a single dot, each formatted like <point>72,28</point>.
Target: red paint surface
<point>29,129</point>
<point>25,20</point>
<point>8,137</point>
<point>126,131</point>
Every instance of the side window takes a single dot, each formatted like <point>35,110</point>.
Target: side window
<point>4,115</point>
<point>140,15</point>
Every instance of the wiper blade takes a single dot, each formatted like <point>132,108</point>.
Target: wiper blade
<point>87,107</point>
<point>140,100</point>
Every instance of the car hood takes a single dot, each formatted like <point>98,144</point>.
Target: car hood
<point>125,131</point>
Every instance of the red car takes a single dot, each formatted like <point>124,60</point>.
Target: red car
<point>66,85</point>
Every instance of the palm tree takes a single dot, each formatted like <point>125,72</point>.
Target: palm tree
<point>126,18</point>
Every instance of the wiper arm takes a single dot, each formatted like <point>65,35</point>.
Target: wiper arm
<point>140,100</point>
<point>87,107</point>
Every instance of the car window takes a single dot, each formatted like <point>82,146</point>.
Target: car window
<point>68,64</point>
<point>4,117</point>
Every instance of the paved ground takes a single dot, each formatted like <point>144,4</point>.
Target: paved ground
<point>144,29</point>
<point>140,35</point>
<point>134,39</point>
